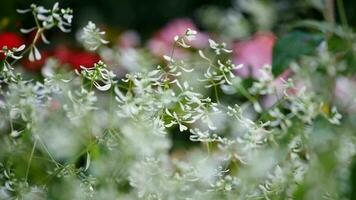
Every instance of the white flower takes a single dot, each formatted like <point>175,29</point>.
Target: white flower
<point>91,37</point>
<point>218,47</point>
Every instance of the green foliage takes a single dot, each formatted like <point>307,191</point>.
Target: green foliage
<point>291,46</point>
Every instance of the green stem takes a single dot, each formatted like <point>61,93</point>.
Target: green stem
<point>342,14</point>
<point>30,159</point>
<point>207,147</point>
<point>329,11</point>
<point>245,93</point>
<point>216,93</point>
<point>38,33</point>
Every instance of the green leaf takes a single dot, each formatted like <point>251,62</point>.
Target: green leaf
<point>291,47</point>
<point>338,44</point>
<point>326,28</point>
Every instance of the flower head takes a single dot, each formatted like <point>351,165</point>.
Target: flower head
<point>92,37</point>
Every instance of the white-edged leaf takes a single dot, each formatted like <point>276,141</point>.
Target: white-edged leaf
<point>21,11</point>
<point>37,53</point>
<point>44,39</point>
<point>15,133</point>
<point>202,55</point>
<point>168,113</point>
<point>31,57</point>
<point>168,58</point>
<point>25,31</point>
<point>20,48</point>
<point>182,128</point>
<point>87,164</point>
<point>102,87</point>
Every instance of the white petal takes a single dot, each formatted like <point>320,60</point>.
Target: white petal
<point>31,57</point>
<point>37,53</point>
<point>25,31</point>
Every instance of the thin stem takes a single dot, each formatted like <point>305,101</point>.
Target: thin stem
<point>38,33</point>
<point>207,147</point>
<point>10,121</point>
<point>172,52</point>
<point>47,151</point>
<point>329,11</point>
<point>216,93</point>
<point>265,112</point>
<point>111,107</point>
<point>30,159</point>
<point>245,93</point>
<point>342,14</point>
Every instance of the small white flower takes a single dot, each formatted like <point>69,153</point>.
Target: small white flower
<point>91,37</point>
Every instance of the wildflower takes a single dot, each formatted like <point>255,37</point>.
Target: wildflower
<point>100,77</point>
<point>59,17</point>
<point>218,48</point>
<point>46,19</point>
<point>91,37</point>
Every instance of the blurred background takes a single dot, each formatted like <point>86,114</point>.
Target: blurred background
<point>140,32</point>
<point>148,16</point>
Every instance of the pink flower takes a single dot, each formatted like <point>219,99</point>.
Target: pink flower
<point>345,93</point>
<point>253,54</point>
<point>162,41</point>
<point>270,100</point>
<point>129,39</point>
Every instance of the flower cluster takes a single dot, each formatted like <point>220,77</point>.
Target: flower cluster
<point>195,127</point>
<point>92,37</point>
<point>46,19</point>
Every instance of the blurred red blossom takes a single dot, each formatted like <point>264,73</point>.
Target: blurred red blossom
<point>75,58</point>
<point>37,64</point>
<point>82,58</point>
<point>10,40</point>
<point>254,53</point>
<point>162,41</point>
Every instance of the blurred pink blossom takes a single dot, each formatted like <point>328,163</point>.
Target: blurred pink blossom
<point>270,100</point>
<point>345,93</point>
<point>253,54</point>
<point>162,41</point>
<point>129,39</point>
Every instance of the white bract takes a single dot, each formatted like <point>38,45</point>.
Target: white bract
<point>92,37</point>
<point>46,19</point>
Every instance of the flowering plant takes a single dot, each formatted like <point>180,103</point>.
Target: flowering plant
<point>240,120</point>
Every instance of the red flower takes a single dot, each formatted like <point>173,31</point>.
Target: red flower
<point>10,40</point>
<point>81,58</point>
<point>38,64</point>
<point>75,58</point>
<point>62,53</point>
